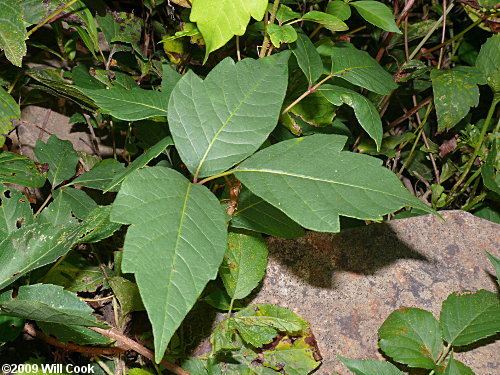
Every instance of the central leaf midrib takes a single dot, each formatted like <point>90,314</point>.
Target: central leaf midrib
<point>132,102</point>
<point>174,258</point>
<point>226,123</point>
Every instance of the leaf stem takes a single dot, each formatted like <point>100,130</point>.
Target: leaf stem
<point>442,357</point>
<point>50,16</point>
<point>265,43</point>
<point>215,176</point>
<point>470,163</point>
<point>309,91</point>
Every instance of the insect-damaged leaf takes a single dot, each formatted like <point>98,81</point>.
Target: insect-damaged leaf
<point>219,121</point>
<point>12,31</point>
<point>343,183</point>
<point>174,245</point>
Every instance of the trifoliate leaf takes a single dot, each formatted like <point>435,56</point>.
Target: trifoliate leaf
<point>174,246</point>
<point>348,184</point>
<point>411,336</point>
<point>219,20</point>
<point>215,122</point>
<point>468,317</point>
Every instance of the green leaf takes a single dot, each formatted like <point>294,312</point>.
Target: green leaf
<point>281,34</point>
<point>285,14</point>
<point>219,20</point>
<point>495,261</point>
<point>139,163</point>
<point>365,111</point>
<point>411,336</point>
<point>75,274</point>
<point>97,226</point>
<point>295,358</point>
<point>31,247</point>
<point>377,14</point>
<point>488,213</point>
<point>345,183</point>
<point>329,21</point>
<point>339,9</point>
<point>469,317</point>
<point>360,69</point>
<point>455,92</point>
<point>308,58</point>
<point>60,156</point>
<point>15,210</point>
<point>127,294</point>
<point>12,31</point>
<point>488,61</point>
<point>9,110</point>
<point>214,122</point>
<point>455,367</point>
<point>370,367</point>
<point>244,264</point>
<point>48,303</point>
<point>491,177</point>
<point>78,201</point>
<point>257,215</point>
<point>18,169</point>
<point>174,246</point>
<point>100,175</point>
<point>129,105</point>
<point>10,328</point>
<point>73,334</point>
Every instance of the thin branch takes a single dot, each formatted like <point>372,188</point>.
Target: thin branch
<point>52,15</point>
<point>265,43</point>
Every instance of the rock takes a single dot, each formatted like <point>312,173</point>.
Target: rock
<point>347,284</point>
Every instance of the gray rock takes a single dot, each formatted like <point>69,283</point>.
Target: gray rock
<point>347,284</point>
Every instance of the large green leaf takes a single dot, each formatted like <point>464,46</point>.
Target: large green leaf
<point>257,215</point>
<point>469,317</point>
<point>174,246</point>
<point>48,303</point>
<point>331,183</point>
<point>15,210</point>
<point>455,92</point>
<point>244,264</point>
<point>488,61</point>
<point>365,111</point>
<point>139,163</point>
<point>359,68</point>
<point>129,105</point>
<point>219,121</point>
<point>219,20</point>
<point>60,156</point>
<point>377,14</point>
<point>9,110</point>
<point>12,31</point>
<point>411,336</point>
<point>31,247</point>
<point>18,169</point>
<point>308,58</point>
<point>370,367</point>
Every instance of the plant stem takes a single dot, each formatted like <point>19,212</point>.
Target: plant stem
<point>310,90</point>
<point>50,16</point>
<point>431,31</point>
<point>479,144</point>
<point>442,357</point>
<point>265,43</point>
<point>205,180</point>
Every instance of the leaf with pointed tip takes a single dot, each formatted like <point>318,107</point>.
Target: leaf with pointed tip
<point>365,111</point>
<point>129,105</point>
<point>48,303</point>
<point>73,334</point>
<point>60,156</point>
<point>18,169</point>
<point>360,69</point>
<point>468,317</point>
<point>411,336</point>
<point>219,121</point>
<point>244,264</point>
<point>370,367</point>
<point>100,175</point>
<point>139,163</point>
<point>281,34</point>
<point>219,20</point>
<point>12,31</point>
<point>331,183</point>
<point>377,14</point>
<point>308,58</point>
<point>174,246</point>
<point>326,20</point>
